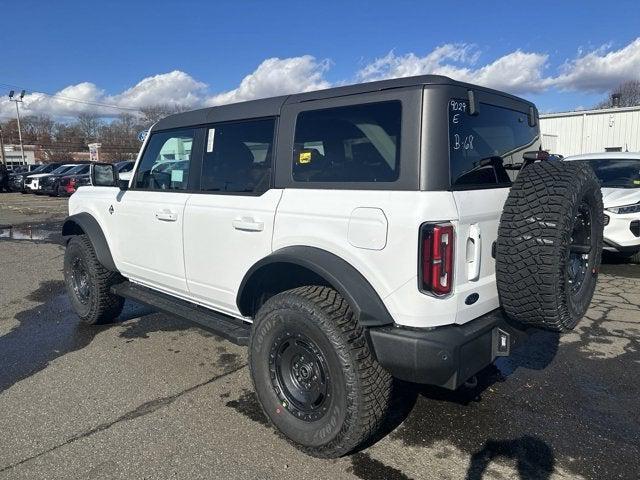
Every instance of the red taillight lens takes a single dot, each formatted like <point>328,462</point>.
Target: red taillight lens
<point>437,258</point>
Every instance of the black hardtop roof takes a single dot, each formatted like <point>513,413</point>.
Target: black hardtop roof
<point>269,107</point>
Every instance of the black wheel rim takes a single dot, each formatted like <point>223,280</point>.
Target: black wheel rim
<point>80,281</point>
<point>300,376</point>
<point>579,261</point>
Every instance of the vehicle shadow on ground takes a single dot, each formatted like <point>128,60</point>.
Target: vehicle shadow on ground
<point>51,329</point>
<point>422,415</point>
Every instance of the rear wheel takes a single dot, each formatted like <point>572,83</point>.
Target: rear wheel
<point>314,374</point>
<point>89,283</point>
<point>549,245</point>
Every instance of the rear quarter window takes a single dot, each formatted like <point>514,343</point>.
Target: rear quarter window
<point>356,143</point>
<point>486,150</point>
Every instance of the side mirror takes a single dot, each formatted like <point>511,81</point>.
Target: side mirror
<point>104,175</point>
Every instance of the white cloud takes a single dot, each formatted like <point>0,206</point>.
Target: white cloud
<point>277,76</point>
<point>601,69</point>
<point>517,72</point>
<point>173,88</point>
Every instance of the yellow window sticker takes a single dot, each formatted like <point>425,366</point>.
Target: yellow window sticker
<point>636,182</point>
<point>305,157</point>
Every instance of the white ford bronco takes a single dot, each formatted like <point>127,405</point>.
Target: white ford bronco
<point>404,228</point>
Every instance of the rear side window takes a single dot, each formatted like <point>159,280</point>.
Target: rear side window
<point>165,162</point>
<point>486,149</point>
<point>237,157</point>
<point>359,143</point>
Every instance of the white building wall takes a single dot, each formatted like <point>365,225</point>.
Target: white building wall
<point>591,131</point>
<point>13,156</point>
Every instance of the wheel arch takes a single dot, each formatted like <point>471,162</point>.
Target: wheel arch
<point>295,266</point>
<point>86,224</point>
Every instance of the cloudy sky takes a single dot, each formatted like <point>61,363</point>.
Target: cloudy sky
<point>75,57</point>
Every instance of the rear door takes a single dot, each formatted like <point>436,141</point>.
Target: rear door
<point>228,225</point>
<point>485,152</point>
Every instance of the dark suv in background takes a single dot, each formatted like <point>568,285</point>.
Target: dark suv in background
<point>50,185</point>
<point>17,180</point>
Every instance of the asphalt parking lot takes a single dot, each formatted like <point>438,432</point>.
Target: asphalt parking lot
<point>154,397</point>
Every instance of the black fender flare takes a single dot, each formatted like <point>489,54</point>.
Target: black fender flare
<point>365,302</point>
<point>87,224</point>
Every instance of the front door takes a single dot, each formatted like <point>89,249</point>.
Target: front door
<point>149,217</point>
<point>228,226</point>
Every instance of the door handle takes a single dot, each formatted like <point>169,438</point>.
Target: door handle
<point>474,252</point>
<point>248,224</point>
<point>166,215</point>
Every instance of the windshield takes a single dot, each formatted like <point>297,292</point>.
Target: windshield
<point>76,169</point>
<point>62,169</point>
<point>616,172</point>
<point>38,169</point>
<point>486,150</point>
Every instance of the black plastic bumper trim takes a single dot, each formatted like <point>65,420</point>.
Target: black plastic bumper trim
<point>445,356</point>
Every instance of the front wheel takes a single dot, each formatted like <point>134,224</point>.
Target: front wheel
<point>314,374</point>
<point>89,283</point>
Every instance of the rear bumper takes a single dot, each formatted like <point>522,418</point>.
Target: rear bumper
<point>445,356</point>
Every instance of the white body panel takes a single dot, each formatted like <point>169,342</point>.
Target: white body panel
<point>203,254</point>
<point>224,235</point>
<point>479,216</point>
<point>314,218</point>
<point>144,232</point>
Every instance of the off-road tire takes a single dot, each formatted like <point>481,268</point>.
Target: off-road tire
<point>534,245</point>
<point>360,389</point>
<point>99,305</point>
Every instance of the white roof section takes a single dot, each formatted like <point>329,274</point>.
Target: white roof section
<point>606,156</point>
<point>578,113</point>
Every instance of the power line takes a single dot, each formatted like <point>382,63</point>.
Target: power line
<point>70,99</point>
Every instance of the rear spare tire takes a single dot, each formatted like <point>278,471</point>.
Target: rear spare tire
<point>550,245</point>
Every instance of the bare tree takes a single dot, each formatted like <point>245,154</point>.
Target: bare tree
<point>629,92</point>
<point>153,113</point>
<point>89,124</point>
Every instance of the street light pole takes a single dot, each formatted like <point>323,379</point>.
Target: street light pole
<point>2,147</point>
<point>19,100</point>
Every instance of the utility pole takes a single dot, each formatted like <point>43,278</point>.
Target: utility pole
<point>2,147</point>
<point>18,100</point>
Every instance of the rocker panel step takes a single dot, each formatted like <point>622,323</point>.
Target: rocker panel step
<point>232,329</point>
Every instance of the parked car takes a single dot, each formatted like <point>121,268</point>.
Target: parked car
<point>19,181</point>
<point>619,176</point>
<point>70,183</point>
<point>35,182</point>
<point>4,178</point>
<point>17,173</point>
<point>51,183</point>
<point>376,233</point>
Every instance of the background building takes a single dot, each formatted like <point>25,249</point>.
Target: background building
<point>591,131</point>
<point>13,156</point>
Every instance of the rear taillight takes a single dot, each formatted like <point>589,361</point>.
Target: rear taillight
<point>436,258</point>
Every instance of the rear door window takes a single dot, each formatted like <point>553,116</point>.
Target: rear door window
<point>486,150</point>
<point>237,157</point>
<point>359,143</point>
